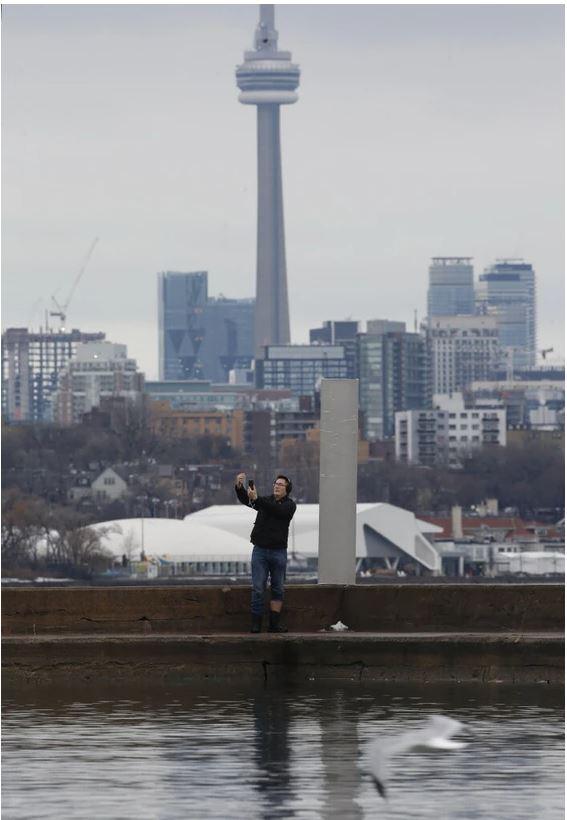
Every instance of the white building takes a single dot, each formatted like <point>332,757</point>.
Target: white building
<point>383,531</point>
<point>98,369</point>
<point>447,432</point>
<point>108,486</point>
<point>463,349</point>
<point>216,540</point>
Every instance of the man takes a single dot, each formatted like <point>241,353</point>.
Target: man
<point>269,537</point>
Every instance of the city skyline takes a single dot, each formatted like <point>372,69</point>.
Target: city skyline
<point>438,132</point>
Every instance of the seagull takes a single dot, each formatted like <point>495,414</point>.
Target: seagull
<point>436,734</point>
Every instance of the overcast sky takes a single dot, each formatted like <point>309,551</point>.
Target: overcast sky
<point>419,131</point>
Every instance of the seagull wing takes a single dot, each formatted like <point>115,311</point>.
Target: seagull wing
<point>436,734</point>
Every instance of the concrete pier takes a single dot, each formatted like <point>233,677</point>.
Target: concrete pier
<point>422,633</point>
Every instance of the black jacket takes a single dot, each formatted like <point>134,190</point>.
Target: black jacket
<point>272,522</point>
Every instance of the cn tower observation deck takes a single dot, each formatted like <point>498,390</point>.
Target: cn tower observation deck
<point>267,79</point>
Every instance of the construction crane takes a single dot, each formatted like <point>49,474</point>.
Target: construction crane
<point>62,308</point>
<point>545,352</point>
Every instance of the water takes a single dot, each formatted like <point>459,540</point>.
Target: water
<point>225,752</point>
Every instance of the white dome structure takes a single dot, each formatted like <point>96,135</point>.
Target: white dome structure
<point>173,540</point>
<point>382,531</point>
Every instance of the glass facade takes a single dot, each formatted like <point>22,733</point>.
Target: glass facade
<point>393,375</point>
<point>339,333</point>
<point>451,286</point>
<point>506,290</point>
<point>200,337</point>
<point>300,368</point>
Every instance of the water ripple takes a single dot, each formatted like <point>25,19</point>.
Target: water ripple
<point>277,753</point>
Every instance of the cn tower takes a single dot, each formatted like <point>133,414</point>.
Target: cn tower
<point>267,79</point>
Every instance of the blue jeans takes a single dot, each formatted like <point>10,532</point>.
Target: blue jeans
<point>266,562</point>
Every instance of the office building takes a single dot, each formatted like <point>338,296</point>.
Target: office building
<point>451,287</point>
<point>201,337</point>
<point>462,349</point>
<point>268,79</point>
<point>339,333</point>
<point>97,370</point>
<point>202,395</point>
<point>300,368</point>
<point>31,366</point>
<point>228,344</point>
<point>506,290</point>
<point>447,433</point>
<point>181,303</point>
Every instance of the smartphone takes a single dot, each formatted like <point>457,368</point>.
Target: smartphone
<point>251,484</point>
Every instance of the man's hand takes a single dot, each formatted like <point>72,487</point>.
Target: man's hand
<point>240,479</point>
<point>252,493</point>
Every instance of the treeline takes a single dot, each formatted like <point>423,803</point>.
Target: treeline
<point>41,529</point>
<point>528,477</point>
<point>38,537</point>
<point>57,450</point>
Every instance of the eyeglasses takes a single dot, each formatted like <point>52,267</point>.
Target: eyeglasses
<point>280,484</point>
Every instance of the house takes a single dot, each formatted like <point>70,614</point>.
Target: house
<point>109,486</point>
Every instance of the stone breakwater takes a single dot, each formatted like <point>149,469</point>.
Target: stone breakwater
<point>487,633</point>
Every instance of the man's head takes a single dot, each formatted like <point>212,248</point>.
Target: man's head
<point>282,486</point>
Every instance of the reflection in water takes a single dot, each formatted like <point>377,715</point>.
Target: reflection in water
<point>339,756</point>
<point>162,754</point>
<point>272,718</point>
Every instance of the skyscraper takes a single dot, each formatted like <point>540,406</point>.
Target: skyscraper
<point>181,302</point>
<point>267,79</point>
<point>201,337</point>
<point>451,286</point>
<point>506,290</point>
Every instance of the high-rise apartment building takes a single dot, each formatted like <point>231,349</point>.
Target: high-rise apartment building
<point>31,365</point>
<point>451,287</point>
<point>446,433</point>
<point>268,79</point>
<point>507,291</point>
<point>339,333</point>
<point>407,378</point>
<point>97,370</point>
<point>393,370</point>
<point>462,349</point>
<point>201,337</point>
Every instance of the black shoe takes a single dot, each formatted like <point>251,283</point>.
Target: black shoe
<point>275,625</point>
<point>256,623</point>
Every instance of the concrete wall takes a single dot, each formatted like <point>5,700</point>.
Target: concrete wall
<point>266,659</point>
<point>426,633</point>
<point>201,610</point>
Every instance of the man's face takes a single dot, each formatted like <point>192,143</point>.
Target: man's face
<point>280,488</point>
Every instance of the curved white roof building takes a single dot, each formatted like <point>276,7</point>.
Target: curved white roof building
<point>173,540</point>
<point>222,534</point>
<point>382,531</point>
